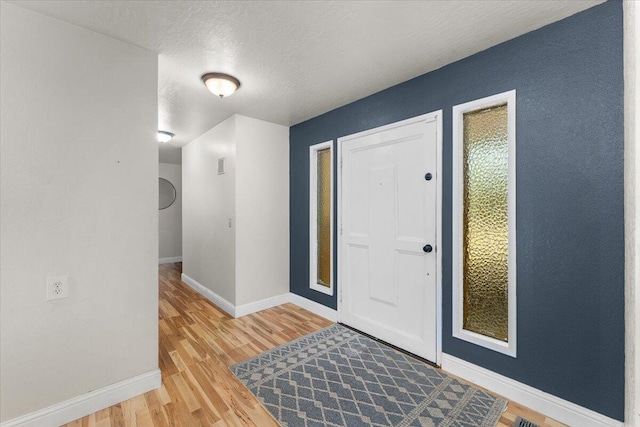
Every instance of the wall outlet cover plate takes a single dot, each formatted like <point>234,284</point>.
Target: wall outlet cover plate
<point>57,287</point>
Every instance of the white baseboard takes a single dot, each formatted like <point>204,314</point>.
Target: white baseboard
<point>222,303</point>
<point>540,401</point>
<point>89,403</point>
<point>169,260</point>
<point>314,307</point>
<point>254,307</point>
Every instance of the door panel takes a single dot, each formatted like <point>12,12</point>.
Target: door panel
<point>388,283</point>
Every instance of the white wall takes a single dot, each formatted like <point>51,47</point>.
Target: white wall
<point>249,261</point>
<point>632,213</point>
<point>170,154</point>
<point>262,209</point>
<point>78,196</point>
<point>208,201</point>
<point>170,219</point>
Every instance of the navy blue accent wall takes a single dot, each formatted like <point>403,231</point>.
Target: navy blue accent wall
<point>570,233</point>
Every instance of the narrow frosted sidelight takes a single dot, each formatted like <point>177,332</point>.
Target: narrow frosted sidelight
<point>485,222</point>
<point>323,215</point>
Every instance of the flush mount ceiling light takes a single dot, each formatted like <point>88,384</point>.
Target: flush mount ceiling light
<point>164,136</point>
<point>221,84</point>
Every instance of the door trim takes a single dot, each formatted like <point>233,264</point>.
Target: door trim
<point>434,116</point>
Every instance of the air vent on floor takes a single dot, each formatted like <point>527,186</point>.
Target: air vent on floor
<point>521,422</point>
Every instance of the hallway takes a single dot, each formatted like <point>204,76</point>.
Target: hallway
<point>198,342</point>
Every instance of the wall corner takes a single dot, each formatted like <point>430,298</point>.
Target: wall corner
<point>632,214</point>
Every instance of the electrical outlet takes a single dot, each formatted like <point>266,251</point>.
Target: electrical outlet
<point>57,287</point>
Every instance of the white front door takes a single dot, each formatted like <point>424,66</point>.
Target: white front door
<point>388,204</point>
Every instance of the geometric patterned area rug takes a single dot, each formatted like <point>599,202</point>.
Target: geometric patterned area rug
<point>337,377</point>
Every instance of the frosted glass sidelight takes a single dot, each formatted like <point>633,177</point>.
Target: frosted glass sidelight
<point>485,232</point>
<point>323,215</point>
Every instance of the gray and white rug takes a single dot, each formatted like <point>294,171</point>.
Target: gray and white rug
<point>338,377</point>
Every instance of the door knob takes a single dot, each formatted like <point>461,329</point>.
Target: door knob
<point>427,248</point>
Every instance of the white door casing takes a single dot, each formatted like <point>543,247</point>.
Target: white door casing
<point>388,285</point>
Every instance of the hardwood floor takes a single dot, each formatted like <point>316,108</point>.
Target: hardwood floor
<point>198,342</point>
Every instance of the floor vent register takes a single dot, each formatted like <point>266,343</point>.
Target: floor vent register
<point>521,422</point>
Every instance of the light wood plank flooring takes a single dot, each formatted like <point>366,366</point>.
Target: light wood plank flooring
<point>198,342</point>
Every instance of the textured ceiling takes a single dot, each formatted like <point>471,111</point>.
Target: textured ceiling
<point>297,60</point>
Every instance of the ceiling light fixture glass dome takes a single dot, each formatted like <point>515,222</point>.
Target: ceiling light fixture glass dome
<point>164,136</point>
<point>221,84</point>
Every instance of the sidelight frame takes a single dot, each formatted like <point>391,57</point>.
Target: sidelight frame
<point>510,347</point>
<point>313,218</point>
